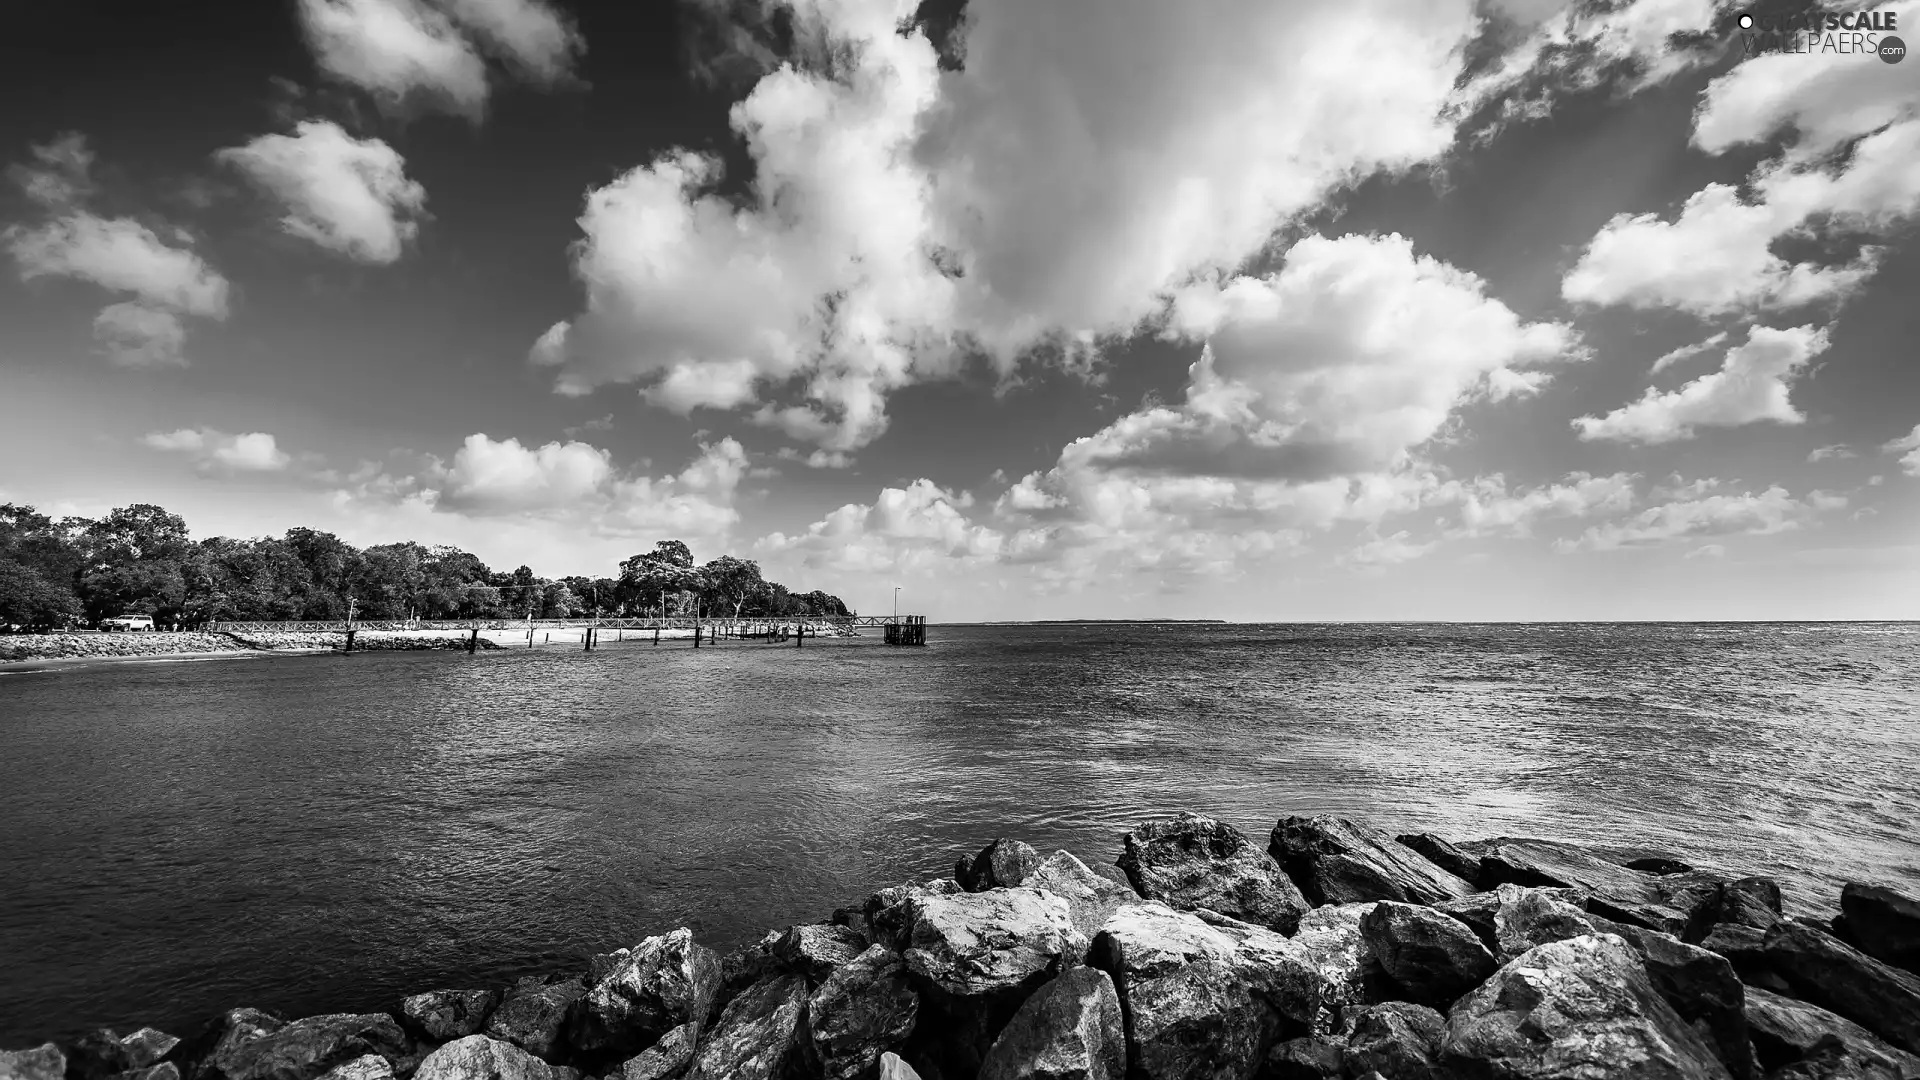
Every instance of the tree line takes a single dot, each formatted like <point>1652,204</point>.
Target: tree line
<point>140,560</point>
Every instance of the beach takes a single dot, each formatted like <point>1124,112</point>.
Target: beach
<point>29,652</point>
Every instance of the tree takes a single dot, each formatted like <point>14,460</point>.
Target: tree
<point>39,565</point>
<point>651,578</point>
<point>728,583</point>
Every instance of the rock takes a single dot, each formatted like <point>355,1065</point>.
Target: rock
<point>1832,1059</point>
<point>1481,911</point>
<point>1434,958</point>
<point>1396,1039</point>
<point>759,1037</point>
<point>863,1009</point>
<point>1003,864</point>
<point>166,1070</point>
<point>1090,897</point>
<point>1785,1030</point>
<point>1527,917</point>
<point>364,1067</point>
<point>1667,903</point>
<point>200,1057</point>
<point>1070,1029</point>
<point>665,981</point>
<point>665,1059</point>
<point>892,1068</point>
<point>1830,973</point>
<point>535,1015</point>
<point>147,1046</point>
<point>1336,861</point>
<point>1744,948</point>
<point>1750,902</point>
<point>742,968</point>
<point>1307,1058</point>
<point>43,1062</point>
<point>814,951</point>
<point>445,1015</point>
<point>477,1057</point>
<point>1576,1008</point>
<point>602,965</point>
<point>306,1049</point>
<point>1192,861</point>
<point>1881,923</point>
<point>98,1054</point>
<point>1333,944</point>
<point>974,957</point>
<point>1444,855</point>
<point>889,912</point>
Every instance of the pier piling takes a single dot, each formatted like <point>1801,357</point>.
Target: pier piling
<point>473,641</point>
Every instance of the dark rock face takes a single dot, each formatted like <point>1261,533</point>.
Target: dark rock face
<point>365,1067</point>
<point>1434,958</point>
<point>99,1054</point>
<point>1070,1029</point>
<point>446,1015</point>
<point>166,1070</point>
<point>535,1015</point>
<point>1667,903</point>
<point>1830,973</point>
<point>1332,943</point>
<point>1310,1058</point>
<point>43,1062</point>
<point>1744,948</point>
<point>744,967</point>
<point>1580,1007</point>
<point>1003,864</point>
<point>1444,855</point>
<point>1785,1031</point>
<point>863,1009</point>
<point>602,964</point>
<point>1526,917</point>
<point>1396,1039</point>
<point>1481,911</point>
<point>1752,902</point>
<point>665,1059</point>
<point>1831,1059</point>
<point>759,1036</point>
<point>477,1057</point>
<point>1192,861</point>
<point>147,1046</point>
<point>1881,923</point>
<point>305,1049</point>
<point>1336,861</point>
<point>814,951</point>
<point>664,982</point>
<point>889,912</point>
<point>1090,897</point>
<point>202,1056</point>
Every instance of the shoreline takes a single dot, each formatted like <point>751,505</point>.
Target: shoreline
<point>1333,950</point>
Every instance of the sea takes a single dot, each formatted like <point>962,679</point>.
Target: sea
<point>313,834</point>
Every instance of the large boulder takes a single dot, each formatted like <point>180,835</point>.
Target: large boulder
<point>864,1008</point>
<point>974,958</point>
<point>306,1049</point>
<point>888,914</point>
<point>1432,957</point>
<point>1337,861</point>
<point>1481,912</point>
<point>1003,864</point>
<point>1752,902</point>
<point>1444,855</point>
<point>665,1059</point>
<point>102,1053</point>
<point>147,1046</point>
<point>1664,902</point>
<point>748,965</point>
<point>1310,1057</point>
<point>1090,897</point>
<point>1191,861</point>
<point>535,1014</point>
<point>1574,1008</point>
<point>204,1056</point>
<point>893,1068</point>
<point>446,1015</point>
<point>43,1062</point>
<point>814,951</point>
<point>1881,923</point>
<point>1527,917</point>
<point>477,1057</point>
<point>1785,1030</point>
<point>1070,1029</point>
<point>665,981</point>
<point>364,1067</point>
<point>1396,1039</point>
<point>1832,1059</point>
<point>1332,943</point>
<point>1830,973</point>
<point>760,1036</point>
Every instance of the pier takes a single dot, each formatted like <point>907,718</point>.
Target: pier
<point>897,630</point>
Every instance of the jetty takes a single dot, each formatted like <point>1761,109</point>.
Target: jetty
<point>898,630</point>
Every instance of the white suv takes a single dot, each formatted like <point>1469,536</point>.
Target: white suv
<point>128,622</point>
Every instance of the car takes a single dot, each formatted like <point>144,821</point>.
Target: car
<point>128,622</point>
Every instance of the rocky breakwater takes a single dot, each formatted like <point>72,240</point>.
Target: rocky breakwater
<point>364,640</point>
<point>15,648</point>
<point>1334,950</point>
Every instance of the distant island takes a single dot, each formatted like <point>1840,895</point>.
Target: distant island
<point>1098,622</point>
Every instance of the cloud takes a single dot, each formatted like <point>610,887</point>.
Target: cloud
<point>1910,445</point>
<point>489,477</point>
<point>1687,352</point>
<point>920,526</point>
<point>1752,385</point>
<point>350,196</point>
<point>1836,452</point>
<point>1379,551</point>
<point>136,335</point>
<point>407,52</point>
<point>215,451</point>
<point>1487,508</point>
<point>1089,159</point>
<point>1697,511</point>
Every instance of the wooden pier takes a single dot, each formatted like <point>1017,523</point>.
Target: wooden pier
<point>707,632</point>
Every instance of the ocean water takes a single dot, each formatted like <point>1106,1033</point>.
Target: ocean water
<point>318,834</point>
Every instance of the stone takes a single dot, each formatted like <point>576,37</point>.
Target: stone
<point>202,1056</point>
<point>306,1049</point>
<point>665,1059</point>
<point>1785,1030</point>
<point>1191,861</point>
<point>1337,861</point>
<point>1480,911</point>
<point>665,981</point>
<point>364,1067</point>
<point>1667,903</point>
<point>43,1062</point>
<point>1837,977</point>
<point>863,1009</point>
<point>760,1036</point>
<point>1881,923</point>
<point>1003,864</point>
<point>889,912</point>
<point>536,1014</point>
<point>1307,1058</point>
<point>1397,1039</point>
<point>1444,855</point>
<point>98,1054</point>
<point>892,1068</point>
<point>1832,1059</point>
<point>814,951</point>
<point>166,1070</point>
<point>1752,902</point>
<point>1432,957</point>
<point>1582,1007</point>
<point>1332,943</point>
<point>1070,1029</point>
<point>478,1057</point>
<point>602,965</point>
<point>446,1015</point>
<point>1527,917</point>
<point>742,968</point>
<point>1090,897</point>
<point>974,957</point>
<point>1745,948</point>
<point>147,1046</point>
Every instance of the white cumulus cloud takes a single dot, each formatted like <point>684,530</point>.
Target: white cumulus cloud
<point>214,451</point>
<point>1753,384</point>
<point>139,335</point>
<point>1908,446</point>
<point>351,196</point>
<point>1697,511</point>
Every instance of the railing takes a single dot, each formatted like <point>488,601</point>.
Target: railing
<point>674,622</point>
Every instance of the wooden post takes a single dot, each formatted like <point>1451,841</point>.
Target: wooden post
<point>529,637</point>
<point>656,635</point>
<point>350,634</point>
<point>696,635</point>
<point>473,641</point>
<point>546,639</point>
<point>799,635</point>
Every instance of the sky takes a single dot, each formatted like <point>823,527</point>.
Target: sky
<point>1241,309</point>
